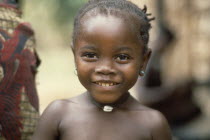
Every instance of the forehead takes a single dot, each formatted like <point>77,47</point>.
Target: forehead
<point>108,27</point>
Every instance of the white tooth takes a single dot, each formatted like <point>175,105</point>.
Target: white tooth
<point>103,84</point>
<point>107,84</point>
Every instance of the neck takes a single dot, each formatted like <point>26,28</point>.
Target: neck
<point>117,104</point>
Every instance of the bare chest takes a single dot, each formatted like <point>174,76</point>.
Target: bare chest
<point>101,126</point>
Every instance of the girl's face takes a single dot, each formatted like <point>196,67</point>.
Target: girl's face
<point>108,57</point>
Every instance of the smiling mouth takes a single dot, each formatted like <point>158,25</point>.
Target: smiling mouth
<point>106,84</point>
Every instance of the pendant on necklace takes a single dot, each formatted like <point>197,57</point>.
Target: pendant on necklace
<point>107,108</point>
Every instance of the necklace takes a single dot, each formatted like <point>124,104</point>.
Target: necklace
<point>110,107</point>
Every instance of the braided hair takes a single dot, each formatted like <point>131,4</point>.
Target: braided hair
<point>117,8</point>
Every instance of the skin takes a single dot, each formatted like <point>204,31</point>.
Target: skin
<point>104,54</point>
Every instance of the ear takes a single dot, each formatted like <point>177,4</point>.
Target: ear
<point>73,51</point>
<point>72,47</point>
<point>146,58</point>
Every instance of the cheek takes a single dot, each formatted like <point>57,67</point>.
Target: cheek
<point>83,71</point>
<point>83,76</point>
<point>82,68</point>
<point>79,63</point>
<point>131,73</point>
<point>132,77</point>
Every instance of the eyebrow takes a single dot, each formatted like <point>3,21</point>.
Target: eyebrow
<point>123,48</point>
<point>118,49</point>
<point>89,48</point>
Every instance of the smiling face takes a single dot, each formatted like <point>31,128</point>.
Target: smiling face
<point>108,57</point>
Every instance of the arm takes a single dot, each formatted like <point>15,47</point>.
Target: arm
<point>160,127</point>
<point>48,125</point>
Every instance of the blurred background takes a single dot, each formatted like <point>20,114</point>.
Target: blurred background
<point>177,82</point>
<point>52,22</point>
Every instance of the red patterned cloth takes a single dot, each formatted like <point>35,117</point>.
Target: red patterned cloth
<point>19,104</point>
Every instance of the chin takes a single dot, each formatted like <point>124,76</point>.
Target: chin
<point>106,98</point>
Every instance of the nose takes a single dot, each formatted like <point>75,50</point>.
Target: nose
<point>105,67</point>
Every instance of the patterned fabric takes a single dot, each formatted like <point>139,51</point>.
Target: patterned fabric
<point>18,63</point>
<point>14,2</point>
<point>11,3</point>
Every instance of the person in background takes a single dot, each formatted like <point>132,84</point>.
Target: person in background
<point>174,100</point>
<point>19,105</point>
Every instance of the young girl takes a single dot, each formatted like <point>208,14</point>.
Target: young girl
<point>110,49</point>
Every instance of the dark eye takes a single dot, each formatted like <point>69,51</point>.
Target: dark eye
<point>123,57</point>
<point>89,56</point>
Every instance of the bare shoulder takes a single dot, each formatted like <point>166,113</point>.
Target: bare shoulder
<point>156,122</point>
<point>56,107</point>
<point>48,125</point>
<point>159,126</point>
<point>59,105</point>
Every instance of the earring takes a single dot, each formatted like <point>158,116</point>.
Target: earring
<point>141,73</point>
<point>75,72</point>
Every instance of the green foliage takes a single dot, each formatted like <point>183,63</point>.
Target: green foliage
<point>66,10</point>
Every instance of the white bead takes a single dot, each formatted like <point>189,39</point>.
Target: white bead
<point>108,108</point>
